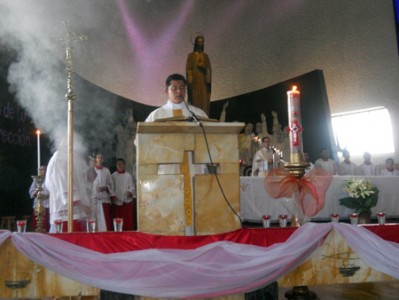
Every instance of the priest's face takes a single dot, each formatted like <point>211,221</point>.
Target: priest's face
<point>176,91</point>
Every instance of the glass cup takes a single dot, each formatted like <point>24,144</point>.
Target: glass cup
<point>21,225</point>
<point>91,225</point>
<point>282,220</point>
<point>118,224</point>
<point>58,226</point>
<point>334,218</point>
<point>354,218</point>
<point>266,221</point>
<point>381,218</point>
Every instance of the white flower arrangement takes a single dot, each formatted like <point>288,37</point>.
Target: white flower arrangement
<point>359,188</point>
<point>362,195</point>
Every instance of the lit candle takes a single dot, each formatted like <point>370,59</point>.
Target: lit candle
<point>295,125</point>
<point>38,149</point>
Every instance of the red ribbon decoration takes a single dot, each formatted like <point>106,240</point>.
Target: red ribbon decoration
<point>311,188</point>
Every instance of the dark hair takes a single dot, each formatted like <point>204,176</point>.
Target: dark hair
<point>174,77</point>
<point>122,160</point>
<point>389,159</point>
<point>265,138</point>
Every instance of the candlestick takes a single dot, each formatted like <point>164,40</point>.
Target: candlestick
<point>38,149</point>
<point>295,125</point>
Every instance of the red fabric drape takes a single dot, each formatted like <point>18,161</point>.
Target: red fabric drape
<point>112,242</point>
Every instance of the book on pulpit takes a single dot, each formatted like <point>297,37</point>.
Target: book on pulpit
<point>185,119</point>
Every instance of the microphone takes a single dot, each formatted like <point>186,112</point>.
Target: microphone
<point>192,114</point>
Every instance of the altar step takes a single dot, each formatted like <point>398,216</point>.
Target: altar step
<point>386,290</point>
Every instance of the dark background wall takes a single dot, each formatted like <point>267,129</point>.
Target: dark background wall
<point>18,144</point>
<point>316,117</point>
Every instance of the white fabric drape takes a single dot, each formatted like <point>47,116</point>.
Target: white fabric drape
<point>219,268</point>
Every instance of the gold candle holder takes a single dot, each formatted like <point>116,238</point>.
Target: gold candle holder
<point>39,210</point>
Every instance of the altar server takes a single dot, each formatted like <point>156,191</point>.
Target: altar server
<point>124,194</point>
<point>101,196</point>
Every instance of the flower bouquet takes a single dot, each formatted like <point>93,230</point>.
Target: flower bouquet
<point>362,195</point>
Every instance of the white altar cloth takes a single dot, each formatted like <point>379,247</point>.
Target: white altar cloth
<point>255,201</point>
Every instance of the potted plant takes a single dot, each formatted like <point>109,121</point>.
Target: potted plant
<point>362,196</point>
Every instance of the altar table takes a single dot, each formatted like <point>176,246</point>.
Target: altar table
<point>255,201</point>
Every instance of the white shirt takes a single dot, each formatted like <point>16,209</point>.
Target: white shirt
<point>327,165</point>
<point>123,183</point>
<point>166,111</point>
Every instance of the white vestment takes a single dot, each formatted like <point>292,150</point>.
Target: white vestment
<point>123,183</point>
<point>386,172</point>
<point>367,170</point>
<point>103,179</point>
<point>261,162</point>
<point>347,168</point>
<point>327,165</point>
<point>166,111</point>
<point>57,184</point>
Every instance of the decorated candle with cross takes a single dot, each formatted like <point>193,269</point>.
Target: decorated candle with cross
<point>295,125</point>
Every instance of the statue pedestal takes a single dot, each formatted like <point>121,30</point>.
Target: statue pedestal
<point>174,195</point>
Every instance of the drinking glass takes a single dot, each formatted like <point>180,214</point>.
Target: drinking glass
<point>354,218</point>
<point>21,225</point>
<point>266,221</point>
<point>91,225</point>
<point>282,220</point>
<point>58,226</point>
<point>334,217</point>
<point>118,224</point>
<point>381,218</point>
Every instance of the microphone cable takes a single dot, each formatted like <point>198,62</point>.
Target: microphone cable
<point>195,118</point>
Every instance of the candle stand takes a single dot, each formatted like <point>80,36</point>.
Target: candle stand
<point>39,210</point>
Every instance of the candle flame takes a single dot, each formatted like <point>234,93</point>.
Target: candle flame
<point>294,88</point>
<point>38,132</point>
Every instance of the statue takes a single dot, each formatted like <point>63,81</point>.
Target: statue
<point>277,133</point>
<point>264,125</point>
<point>246,145</point>
<point>199,76</point>
<point>223,114</point>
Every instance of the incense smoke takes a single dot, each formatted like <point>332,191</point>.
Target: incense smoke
<point>38,75</point>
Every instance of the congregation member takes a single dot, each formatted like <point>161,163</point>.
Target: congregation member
<point>33,190</point>
<point>263,159</point>
<point>124,194</point>
<point>367,168</point>
<point>326,163</point>
<point>57,185</point>
<point>101,195</point>
<point>390,169</point>
<point>347,167</point>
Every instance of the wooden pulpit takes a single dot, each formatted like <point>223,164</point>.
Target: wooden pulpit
<point>177,190</point>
